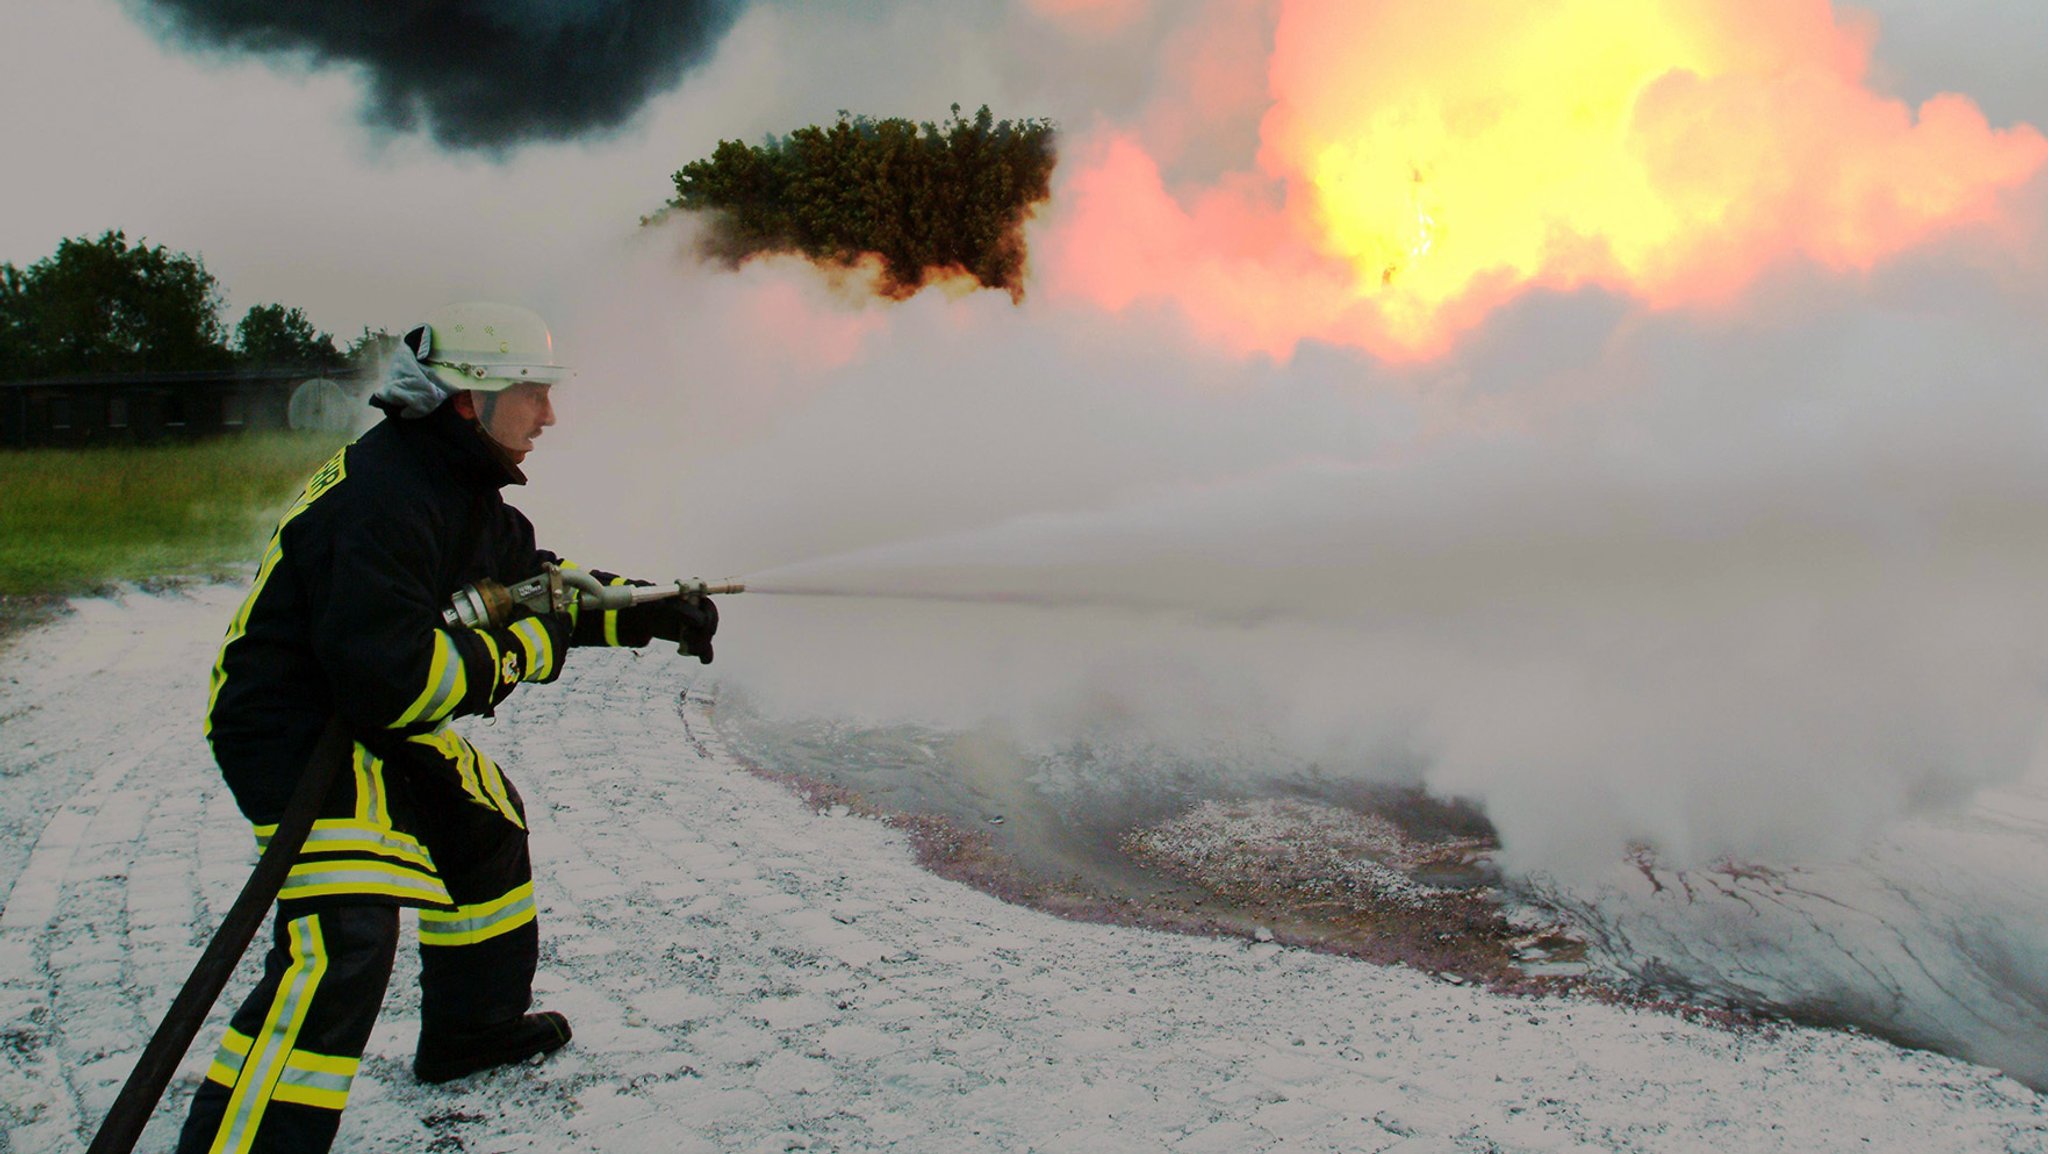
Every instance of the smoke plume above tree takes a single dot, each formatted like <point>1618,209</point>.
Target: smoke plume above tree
<point>472,74</point>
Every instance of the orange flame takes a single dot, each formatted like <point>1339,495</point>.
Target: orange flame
<point>1425,161</point>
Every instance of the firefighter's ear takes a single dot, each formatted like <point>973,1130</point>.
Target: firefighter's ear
<point>465,404</point>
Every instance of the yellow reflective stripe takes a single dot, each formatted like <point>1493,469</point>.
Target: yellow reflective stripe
<point>372,807</point>
<point>478,773</point>
<point>437,675</point>
<point>238,626</point>
<point>540,652</point>
<point>227,1061</point>
<point>299,1093</point>
<point>458,753</point>
<point>519,893</point>
<point>320,1080</point>
<point>309,1079</point>
<point>611,619</point>
<point>362,775</point>
<point>380,799</point>
<point>465,766</point>
<point>257,1081</point>
<point>491,645</point>
<point>494,785</point>
<point>333,1065</point>
<point>402,848</point>
<point>324,478</point>
<point>459,674</point>
<point>446,683</point>
<point>291,1089</point>
<point>529,647</point>
<point>317,879</point>
<point>575,603</point>
<point>468,925</point>
<point>344,835</point>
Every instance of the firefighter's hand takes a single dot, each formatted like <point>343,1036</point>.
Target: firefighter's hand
<point>687,621</point>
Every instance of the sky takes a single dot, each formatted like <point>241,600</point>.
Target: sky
<point>1753,574</point>
<point>251,163</point>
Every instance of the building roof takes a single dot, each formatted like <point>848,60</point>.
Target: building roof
<point>202,376</point>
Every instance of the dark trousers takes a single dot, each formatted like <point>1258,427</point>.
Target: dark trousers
<point>282,1075</point>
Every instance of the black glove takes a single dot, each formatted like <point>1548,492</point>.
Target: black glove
<point>687,621</point>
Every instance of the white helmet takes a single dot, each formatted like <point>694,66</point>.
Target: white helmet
<point>488,347</point>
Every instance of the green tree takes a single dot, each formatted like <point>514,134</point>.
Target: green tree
<point>278,336</point>
<point>927,200</point>
<point>369,350</point>
<point>107,306</point>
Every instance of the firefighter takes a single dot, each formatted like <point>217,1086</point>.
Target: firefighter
<point>345,618</point>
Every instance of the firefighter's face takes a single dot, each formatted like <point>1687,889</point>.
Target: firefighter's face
<point>518,416</point>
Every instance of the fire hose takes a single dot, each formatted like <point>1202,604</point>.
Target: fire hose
<point>159,1061</point>
<point>485,604</point>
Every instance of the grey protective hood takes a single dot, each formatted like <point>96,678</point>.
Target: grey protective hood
<point>409,389</point>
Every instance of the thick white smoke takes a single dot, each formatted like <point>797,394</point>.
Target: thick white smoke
<point>1750,585</point>
<point>1743,583</point>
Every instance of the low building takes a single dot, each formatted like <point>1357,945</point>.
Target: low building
<point>145,408</point>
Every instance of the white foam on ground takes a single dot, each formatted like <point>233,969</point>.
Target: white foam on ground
<point>747,975</point>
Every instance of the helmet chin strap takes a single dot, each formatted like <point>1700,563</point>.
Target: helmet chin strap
<point>486,404</point>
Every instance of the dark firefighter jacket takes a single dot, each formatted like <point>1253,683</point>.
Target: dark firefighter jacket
<point>346,608</point>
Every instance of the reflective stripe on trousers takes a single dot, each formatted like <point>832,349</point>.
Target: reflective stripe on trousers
<point>256,1080</point>
<point>309,1079</point>
<point>468,925</point>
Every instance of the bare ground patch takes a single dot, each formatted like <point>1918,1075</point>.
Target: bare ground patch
<point>1398,878</point>
<point>21,612</point>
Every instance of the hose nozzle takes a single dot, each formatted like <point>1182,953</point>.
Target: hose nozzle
<point>487,604</point>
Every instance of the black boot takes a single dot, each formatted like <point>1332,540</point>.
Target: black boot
<point>449,1055</point>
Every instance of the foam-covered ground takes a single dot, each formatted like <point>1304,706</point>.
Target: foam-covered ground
<point>1935,933</point>
<point>748,975</point>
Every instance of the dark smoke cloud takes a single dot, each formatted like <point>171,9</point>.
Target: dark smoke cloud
<point>479,74</point>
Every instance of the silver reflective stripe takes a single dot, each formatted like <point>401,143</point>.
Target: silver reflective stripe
<point>227,1068</point>
<point>474,929</point>
<point>398,844</point>
<point>274,1043</point>
<point>494,784</point>
<point>440,701</point>
<point>229,1058</point>
<point>315,1080</point>
<point>394,881</point>
<point>371,806</point>
<point>540,655</point>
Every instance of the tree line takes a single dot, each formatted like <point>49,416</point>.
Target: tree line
<point>927,200</point>
<point>104,305</point>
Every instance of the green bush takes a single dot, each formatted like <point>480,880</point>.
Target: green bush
<point>927,200</point>
<point>74,519</point>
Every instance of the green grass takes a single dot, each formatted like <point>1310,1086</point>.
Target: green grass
<point>72,520</point>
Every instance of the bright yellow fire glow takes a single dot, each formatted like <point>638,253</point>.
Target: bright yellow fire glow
<point>1438,159</point>
<point>1514,146</point>
<point>1453,152</point>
